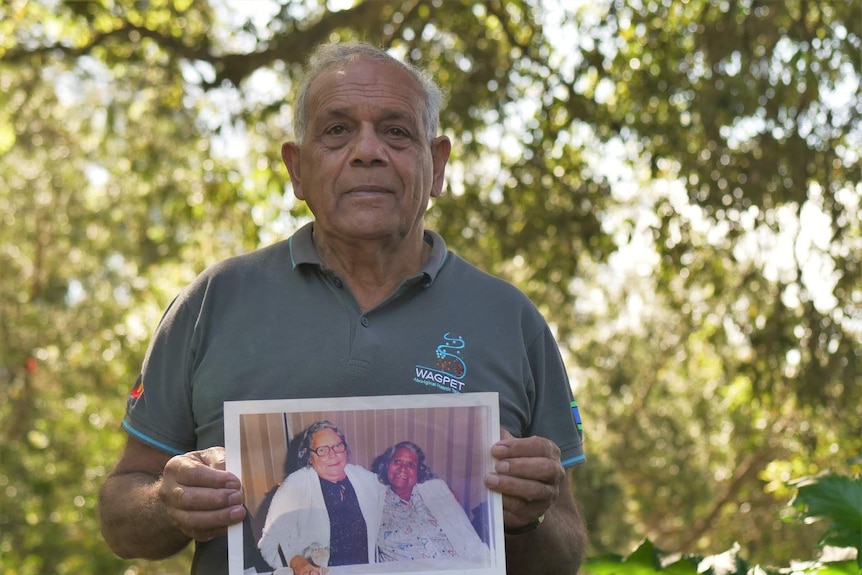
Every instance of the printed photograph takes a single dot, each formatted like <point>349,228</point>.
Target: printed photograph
<point>364,485</point>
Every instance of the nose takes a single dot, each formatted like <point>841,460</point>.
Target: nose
<point>368,148</point>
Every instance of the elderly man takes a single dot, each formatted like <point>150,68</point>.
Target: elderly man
<point>362,301</point>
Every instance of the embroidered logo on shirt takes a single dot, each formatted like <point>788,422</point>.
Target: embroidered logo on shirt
<point>449,368</point>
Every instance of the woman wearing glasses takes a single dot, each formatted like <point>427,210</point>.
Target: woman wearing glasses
<point>327,512</point>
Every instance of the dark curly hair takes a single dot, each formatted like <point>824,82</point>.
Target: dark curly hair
<point>381,463</point>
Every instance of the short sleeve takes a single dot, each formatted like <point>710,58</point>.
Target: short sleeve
<point>159,409</point>
<point>555,412</point>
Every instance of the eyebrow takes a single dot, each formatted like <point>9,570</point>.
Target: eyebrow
<point>387,115</point>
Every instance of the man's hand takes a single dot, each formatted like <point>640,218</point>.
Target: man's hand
<point>151,504</point>
<point>528,474</point>
<point>533,483</point>
<point>201,498</point>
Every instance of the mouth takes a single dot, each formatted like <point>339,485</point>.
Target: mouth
<point>368,191</point>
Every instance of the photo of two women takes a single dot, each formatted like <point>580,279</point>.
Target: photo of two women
<point>366,491</point>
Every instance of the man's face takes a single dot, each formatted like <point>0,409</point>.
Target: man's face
<point>403,471</point>
<point>329,466</point>
<point>365,167</point>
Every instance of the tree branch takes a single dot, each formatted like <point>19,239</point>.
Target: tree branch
<point>234,68</point>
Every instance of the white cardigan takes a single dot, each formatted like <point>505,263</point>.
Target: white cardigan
<point>297,517</point>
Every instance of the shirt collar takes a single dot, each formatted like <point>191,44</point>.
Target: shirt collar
<point>303,252</point>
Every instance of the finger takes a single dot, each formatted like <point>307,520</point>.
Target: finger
<point>206,525</point>
<point>524,501</point>
<point>188,498</point>
<point>539,469</point>
<point>512,447</point>
<point>193,469</point>
<point>526,490</point>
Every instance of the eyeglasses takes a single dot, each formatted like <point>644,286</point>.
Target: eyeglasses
<point>324,450</point>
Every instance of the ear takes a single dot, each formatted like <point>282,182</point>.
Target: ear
<point>290,156</point>
<point>440,149</point>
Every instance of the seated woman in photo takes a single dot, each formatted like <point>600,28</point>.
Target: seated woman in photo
<point>327,512</point>
<point>422,519</point>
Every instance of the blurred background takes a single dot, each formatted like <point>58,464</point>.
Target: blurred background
<point>676,184</point>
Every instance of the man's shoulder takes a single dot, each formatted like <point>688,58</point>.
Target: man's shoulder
<point>259,258</point>
<point>463,269</point>
<point>470,280</point>
<point>246,268</point>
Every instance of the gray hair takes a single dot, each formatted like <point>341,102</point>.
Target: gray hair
<point>327,56</point>
<point>304,455</point>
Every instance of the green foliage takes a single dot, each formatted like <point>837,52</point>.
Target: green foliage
<point>676,185</point>
<point>647,560</point>
<point>838,499</point>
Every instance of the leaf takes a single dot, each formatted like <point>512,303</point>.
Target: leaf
<point>839,568</point>
<point>838,499</point>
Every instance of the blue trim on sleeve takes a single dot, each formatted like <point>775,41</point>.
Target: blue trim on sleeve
<point>576,415</point>
<point>150,441</point>
<point>574,461</point>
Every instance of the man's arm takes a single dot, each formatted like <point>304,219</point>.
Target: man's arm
<point>534,484</point>
<point>151,505</point>
<point>558,545</point>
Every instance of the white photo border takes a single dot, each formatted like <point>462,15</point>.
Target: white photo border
<point>234,410</point>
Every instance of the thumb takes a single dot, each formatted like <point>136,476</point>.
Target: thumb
<point>213,457</point>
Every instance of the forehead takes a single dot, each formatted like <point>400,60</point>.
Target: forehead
<point>363,84</point>
<point>324,435</point>
<point>405,453</point>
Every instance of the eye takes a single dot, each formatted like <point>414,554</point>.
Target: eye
<point>397,132</point>
<point>336,130</point>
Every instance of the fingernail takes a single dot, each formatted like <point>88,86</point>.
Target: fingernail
<point>235,498</point>
<point>237,513</point>
<point>499,450</point>
<point>502,467</point>
<point>492,480</point>
<point>232,485</point>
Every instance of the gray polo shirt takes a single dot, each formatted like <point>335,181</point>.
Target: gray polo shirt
<point>275,323</point>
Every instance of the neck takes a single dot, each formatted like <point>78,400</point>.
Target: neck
<point>373,270</point>
<point>404,494</point>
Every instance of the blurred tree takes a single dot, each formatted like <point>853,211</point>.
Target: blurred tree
<point>743,125</point>
<point>676,184</point>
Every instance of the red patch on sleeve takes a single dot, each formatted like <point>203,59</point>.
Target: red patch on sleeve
<point>138,390</point>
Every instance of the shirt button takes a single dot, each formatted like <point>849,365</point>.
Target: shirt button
<point>338,283</point>
<point>365,322</point>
